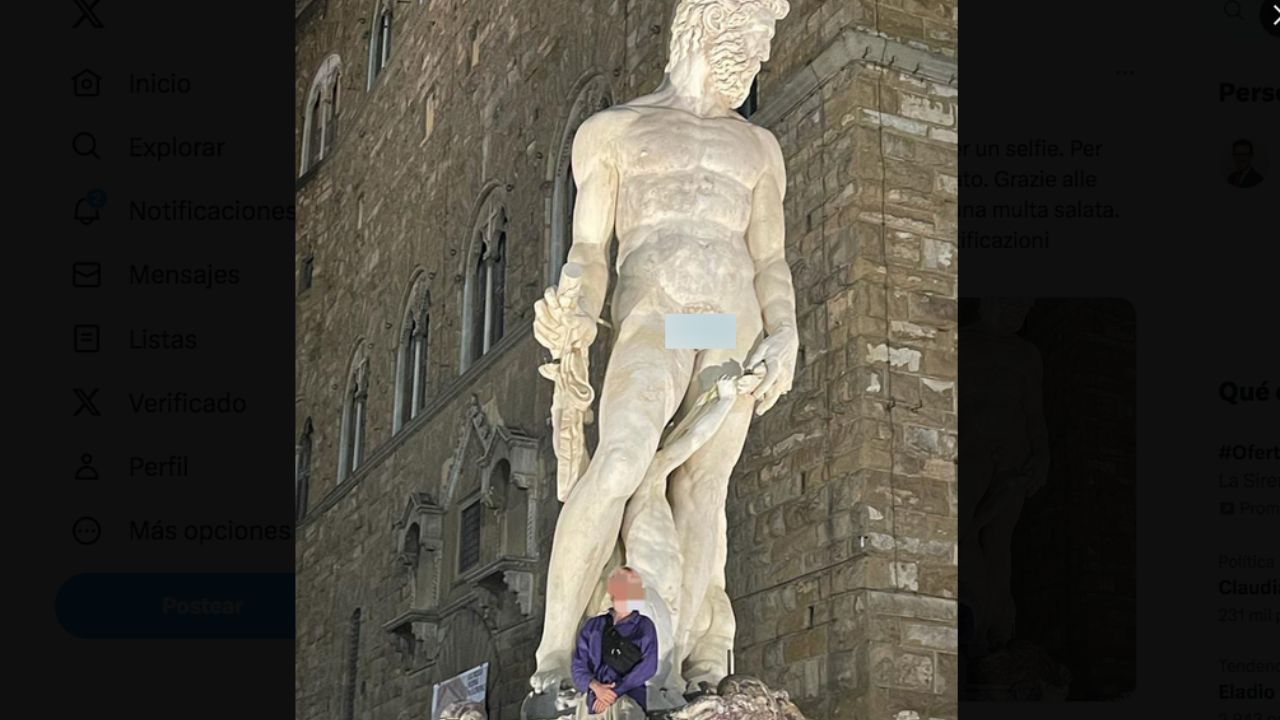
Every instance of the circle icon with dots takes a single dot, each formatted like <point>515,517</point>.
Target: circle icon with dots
<point>86,531</point>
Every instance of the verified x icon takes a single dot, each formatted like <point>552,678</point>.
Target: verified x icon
<point>86,402</point>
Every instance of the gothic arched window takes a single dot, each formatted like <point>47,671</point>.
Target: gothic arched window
<point>315,118</point>
<point>354,419</point>
<point>413,360</point>
<point>302,469</point>
<point>470,530</point>
<point>380,41</point>
<point>331,124</point>
<point>320,116</point>
<point>593,97</point>
<point>485,286</point>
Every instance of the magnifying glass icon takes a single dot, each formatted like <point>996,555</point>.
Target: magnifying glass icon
<point>1232,9</point>
<point>85,144</point>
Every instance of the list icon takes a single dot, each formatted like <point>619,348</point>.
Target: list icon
<point>87,338</point>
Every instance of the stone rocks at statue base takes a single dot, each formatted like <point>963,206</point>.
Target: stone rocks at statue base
<point>545,706</point>
<point>1019,671</point>
<point>463,710</point>
<point>740,697</point>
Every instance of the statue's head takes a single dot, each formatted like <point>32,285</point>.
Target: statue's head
<point>732,36</point>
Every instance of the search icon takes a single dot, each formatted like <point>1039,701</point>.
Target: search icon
<point>1232,9</point>
<point>85,144</point>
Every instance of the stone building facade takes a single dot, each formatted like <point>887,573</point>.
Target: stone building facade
<point>433,201</point>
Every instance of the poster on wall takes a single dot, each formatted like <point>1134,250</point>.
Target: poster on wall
<point>467,686</point>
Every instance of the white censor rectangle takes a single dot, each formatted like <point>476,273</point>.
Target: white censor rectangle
<point>701,331</point>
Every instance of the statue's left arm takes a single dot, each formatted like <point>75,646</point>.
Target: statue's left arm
<point>766,240</point>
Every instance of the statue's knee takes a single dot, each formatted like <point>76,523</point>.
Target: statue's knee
<point>622,467</point>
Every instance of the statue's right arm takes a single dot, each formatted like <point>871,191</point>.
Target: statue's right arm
<point>596,175</point>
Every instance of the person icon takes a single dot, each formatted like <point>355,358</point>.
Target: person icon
<point>86,470</point>
<point>1243,174</point>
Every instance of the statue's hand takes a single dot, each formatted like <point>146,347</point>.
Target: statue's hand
<point>727,386</point>
<point>775,357</point>
<point>559,323</point>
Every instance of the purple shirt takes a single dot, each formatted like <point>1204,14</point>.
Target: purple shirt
<point>588,662</point>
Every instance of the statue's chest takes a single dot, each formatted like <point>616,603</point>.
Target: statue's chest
<point>686,147</point>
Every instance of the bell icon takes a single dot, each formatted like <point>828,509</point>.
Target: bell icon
<point>86,213</point>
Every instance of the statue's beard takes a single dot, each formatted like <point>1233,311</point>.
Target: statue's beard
<point>732,69</point>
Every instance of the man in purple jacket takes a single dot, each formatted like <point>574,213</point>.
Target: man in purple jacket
<point>617,651</point>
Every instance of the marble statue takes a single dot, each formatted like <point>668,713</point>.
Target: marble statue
<point>694,194</point>
<point>1004,460</point>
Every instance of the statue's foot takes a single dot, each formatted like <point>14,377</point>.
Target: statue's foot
<point>552,674</point>
<point>708,675</point>
<point>698,689</point>
<point>667,694</point>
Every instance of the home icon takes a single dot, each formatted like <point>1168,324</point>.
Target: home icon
<point>86,83</point>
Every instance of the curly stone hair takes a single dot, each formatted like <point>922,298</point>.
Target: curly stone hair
<point>693,17</point>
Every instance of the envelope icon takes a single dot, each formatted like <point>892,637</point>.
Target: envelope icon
<point>86,274</point>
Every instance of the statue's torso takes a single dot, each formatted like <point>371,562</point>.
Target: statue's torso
<point>685,187</point>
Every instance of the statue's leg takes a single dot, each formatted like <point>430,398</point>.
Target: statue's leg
<point>712,639</point>
<point>643,385</point>
<point>653,550</point>
<point>698,492</point>
<point>997,547</point>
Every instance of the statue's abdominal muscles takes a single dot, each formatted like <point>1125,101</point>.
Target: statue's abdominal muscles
<point>683,210</point>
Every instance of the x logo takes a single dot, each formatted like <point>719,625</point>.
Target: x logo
<point>87,13</point>
<point>86,402</point>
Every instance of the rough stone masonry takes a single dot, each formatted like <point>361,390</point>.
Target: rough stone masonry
<point>427,558</point>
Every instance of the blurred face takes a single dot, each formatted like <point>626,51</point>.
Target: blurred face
<point>1242,155</point>
<point>737,54</point>
<point>627,592</point>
